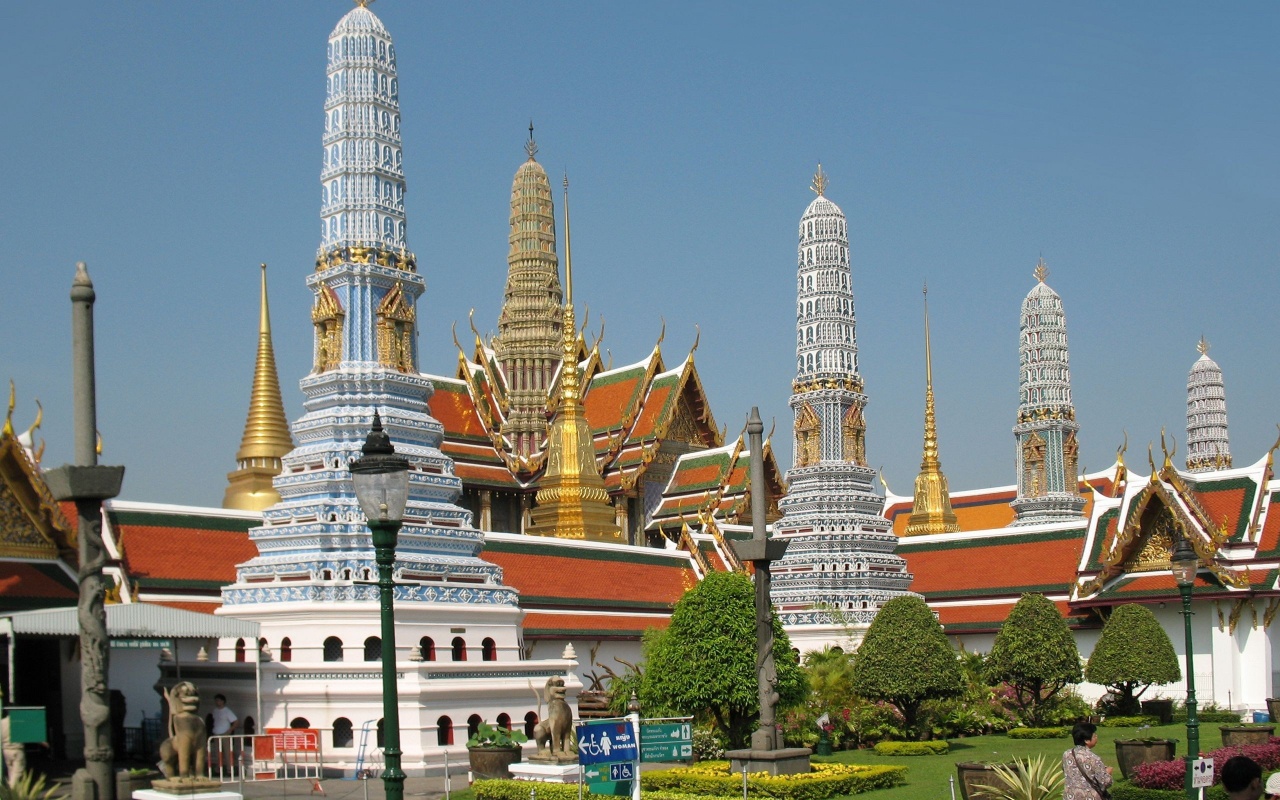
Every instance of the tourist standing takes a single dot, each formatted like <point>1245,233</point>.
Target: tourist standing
<point>1087,778</point>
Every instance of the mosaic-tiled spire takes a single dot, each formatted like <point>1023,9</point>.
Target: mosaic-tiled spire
<point>1207,444</point>
<point>840,566</point>
<point>931,511</point>
<point>1048,450</point>
<point>266,430</point>
<point>314,544</point>
<point>528,341</point>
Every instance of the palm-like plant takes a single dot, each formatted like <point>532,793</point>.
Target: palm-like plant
<point>31,786</point>
<point>1036,778</point>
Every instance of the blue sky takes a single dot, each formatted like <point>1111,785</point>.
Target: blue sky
<point>174,146</point>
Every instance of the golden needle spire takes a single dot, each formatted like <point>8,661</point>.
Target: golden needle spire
<point>819,185</point>
<point>1042,270</point>
<point>1203,346</point>
<point>931,512</point>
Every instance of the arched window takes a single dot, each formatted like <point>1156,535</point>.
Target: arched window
<point>488,650</point>
<point>530,721</point>
<point>459,649</point>
<point>333,649</point>
<point>239,650</point>
<point>299,722</point>
<point>444,731</point>
<point>473,725</point>
<point>504,721</point>
<point>378,735</point>
<point>342,735</point>
<point>373,649</point>
<point>428,648</point>
<point>286,649</point>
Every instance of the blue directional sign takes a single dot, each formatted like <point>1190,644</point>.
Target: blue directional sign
<point>606,742</point>
<point>622,772</point>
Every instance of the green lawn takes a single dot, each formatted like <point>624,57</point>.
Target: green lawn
<point>927,776</point>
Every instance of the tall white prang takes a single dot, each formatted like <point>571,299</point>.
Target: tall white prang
<point>1207,445</point>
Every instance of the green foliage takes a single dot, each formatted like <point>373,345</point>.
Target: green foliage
<point>704,664</point>
<point>906,659</point>
<point>1037,778</point>
<point>1133,653</point>
<point>31,786</point>
<point>708,744</point>
<point>712,779</point>
<point>912,748</point>
<point>1034,653</point>
<point>519,790</point>
<point>496,736</point>
<point>1208,712</point>
<point>1124,790</point>
<point>1129,722</point>
<point>1038,733</point>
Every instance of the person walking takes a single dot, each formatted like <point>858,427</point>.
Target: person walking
<point>1086,777</point>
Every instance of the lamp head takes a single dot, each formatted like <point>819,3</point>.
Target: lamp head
<point>1184,563</point>
<point>381,477</point>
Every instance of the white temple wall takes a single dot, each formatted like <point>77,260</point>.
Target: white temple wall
<point>607,653</point>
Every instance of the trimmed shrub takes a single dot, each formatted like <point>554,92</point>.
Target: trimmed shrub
<point>1038,733</point>
<point>1207,715</point>
<point>1128,722</point>
<point>935,748</point>
<point>712,779</point>
<point>1034,653</point>
<point>519,790</point>
<point>1171,774</point>
<point>1124,790</point>
<point>1133,653</point>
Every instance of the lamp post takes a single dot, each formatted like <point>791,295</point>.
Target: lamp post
<point>381,480</point>
<point>1184,563</point>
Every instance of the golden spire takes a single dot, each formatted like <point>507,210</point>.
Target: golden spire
<point>819,185</point>
<point>266,431</point>
<point>1203,346</point>
<point>531,147</point>
<point>13,402</point>
<point>1042,270</point>
<point>931,512</point>
<point>571,501</point>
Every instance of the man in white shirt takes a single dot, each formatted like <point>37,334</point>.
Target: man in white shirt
<point>224,724</point>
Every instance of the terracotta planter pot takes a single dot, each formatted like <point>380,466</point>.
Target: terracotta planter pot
<point>1273,708</point>
<point>972,774</point>
<point>492,762</point>
<point>1240,735</point>
<point>1132,752</point>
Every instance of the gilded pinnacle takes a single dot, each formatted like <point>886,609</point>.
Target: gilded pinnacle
<point>531,147</point>
<point>1042,270</point>
<point>1203,347</point>
<point>820,182</point>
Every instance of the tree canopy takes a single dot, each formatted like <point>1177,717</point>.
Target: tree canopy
<point>1034,653</point>
<point>906,659</point>
<point>704,663</point>
<point>1133,653</point>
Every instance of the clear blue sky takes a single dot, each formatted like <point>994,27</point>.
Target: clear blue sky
<point>174,146</point>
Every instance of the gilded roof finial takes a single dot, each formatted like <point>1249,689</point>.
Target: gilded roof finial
<point>362,3</point>
<point>819,185</point>
<point>1203,346</point>
<point>13,402</point>
<point>531,147</point>
<point>1042,270</point>
<point>568,252</point>
<point>931,512</point>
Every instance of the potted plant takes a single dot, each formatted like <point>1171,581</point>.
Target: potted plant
<point>1132,752</point>
<point>975,778</point>
<point>493,750</point>
<point>1241,735</point>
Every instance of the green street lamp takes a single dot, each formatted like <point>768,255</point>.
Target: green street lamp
<point>381,480</point>
<point>1184,564</point>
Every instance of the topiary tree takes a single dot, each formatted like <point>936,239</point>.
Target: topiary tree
<point>1133,653</point>
<point>704,664</point>
<point>1036,655</point>
<point>906,659</point>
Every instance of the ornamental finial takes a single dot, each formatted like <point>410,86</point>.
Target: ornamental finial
<point>1203,346</point>
<point>363,3</point>
<point>531,147</point>
<point>1042,270</point>
<point>819,185</point>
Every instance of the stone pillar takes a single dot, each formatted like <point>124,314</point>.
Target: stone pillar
<point>486,510</point>
<point>87,485</point>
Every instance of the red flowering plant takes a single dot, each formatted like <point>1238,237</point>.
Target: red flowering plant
<point>1171,774</point>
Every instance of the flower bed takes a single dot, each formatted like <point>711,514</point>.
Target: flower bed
<point>712,779</point>
<point>519,790</point>
<point>935,748</point>
<point>1171,774</point>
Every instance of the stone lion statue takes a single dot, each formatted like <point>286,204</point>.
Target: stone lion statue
<point>182,755</point>
<point>554,734</point>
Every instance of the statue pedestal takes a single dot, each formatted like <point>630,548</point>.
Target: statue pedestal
<point>195,792</point>
<point>787,761</point>
<point>545,772</point>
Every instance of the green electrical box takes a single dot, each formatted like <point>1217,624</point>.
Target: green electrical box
<point>27,724</point>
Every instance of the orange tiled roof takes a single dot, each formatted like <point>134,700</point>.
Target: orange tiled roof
<point>548,575</point>
<point>962,566</point>
<point>27,585</point>
<point>451,404</point>
<point>1269,540</point>
<point>613,398</point>
<point>175,550</point>
<point>976,619</point>
<point>597,626</point>
<point>199,608</point>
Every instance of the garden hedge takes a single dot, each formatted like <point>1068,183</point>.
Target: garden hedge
<point>519,790</point>
<point>1039,733</point>
<point>712,779</point>
<point>913,748</point>
<point>1129,722</point>
<point>1123,790</point>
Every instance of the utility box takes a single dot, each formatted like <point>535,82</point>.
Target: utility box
<point>27,724</point>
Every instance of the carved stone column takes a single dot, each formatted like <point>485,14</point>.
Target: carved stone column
<point>486,510</point>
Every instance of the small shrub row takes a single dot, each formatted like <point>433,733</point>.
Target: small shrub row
<point>1124,790</point>
<point>712,779</point>
<point>934,748</point>
<point>1171,774</point>
<point>519,790</point>
<point>1207,715</point>
<point>1129,722</point>
<point>1038,733</point>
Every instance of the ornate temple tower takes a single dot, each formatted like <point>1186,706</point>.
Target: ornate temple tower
<point>572,500</point>
<point>266,430</point>
<point>1048,450</point>
<point>1207,444</point>
<point>931,512</point>
<point>314,546</point>
<point>840,566</point>
<point>528,341</point>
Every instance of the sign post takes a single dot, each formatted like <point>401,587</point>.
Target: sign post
<point>1201,773</point>
<point>662,740</point>
<point>609,756</point>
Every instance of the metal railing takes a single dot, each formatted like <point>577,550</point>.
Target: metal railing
<point>278,754</point>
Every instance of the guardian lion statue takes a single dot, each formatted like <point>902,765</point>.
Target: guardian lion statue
<point>182,755</point>
<point>554,734</point>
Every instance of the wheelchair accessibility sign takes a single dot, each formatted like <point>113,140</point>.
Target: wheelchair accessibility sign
<point>607,743</point>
